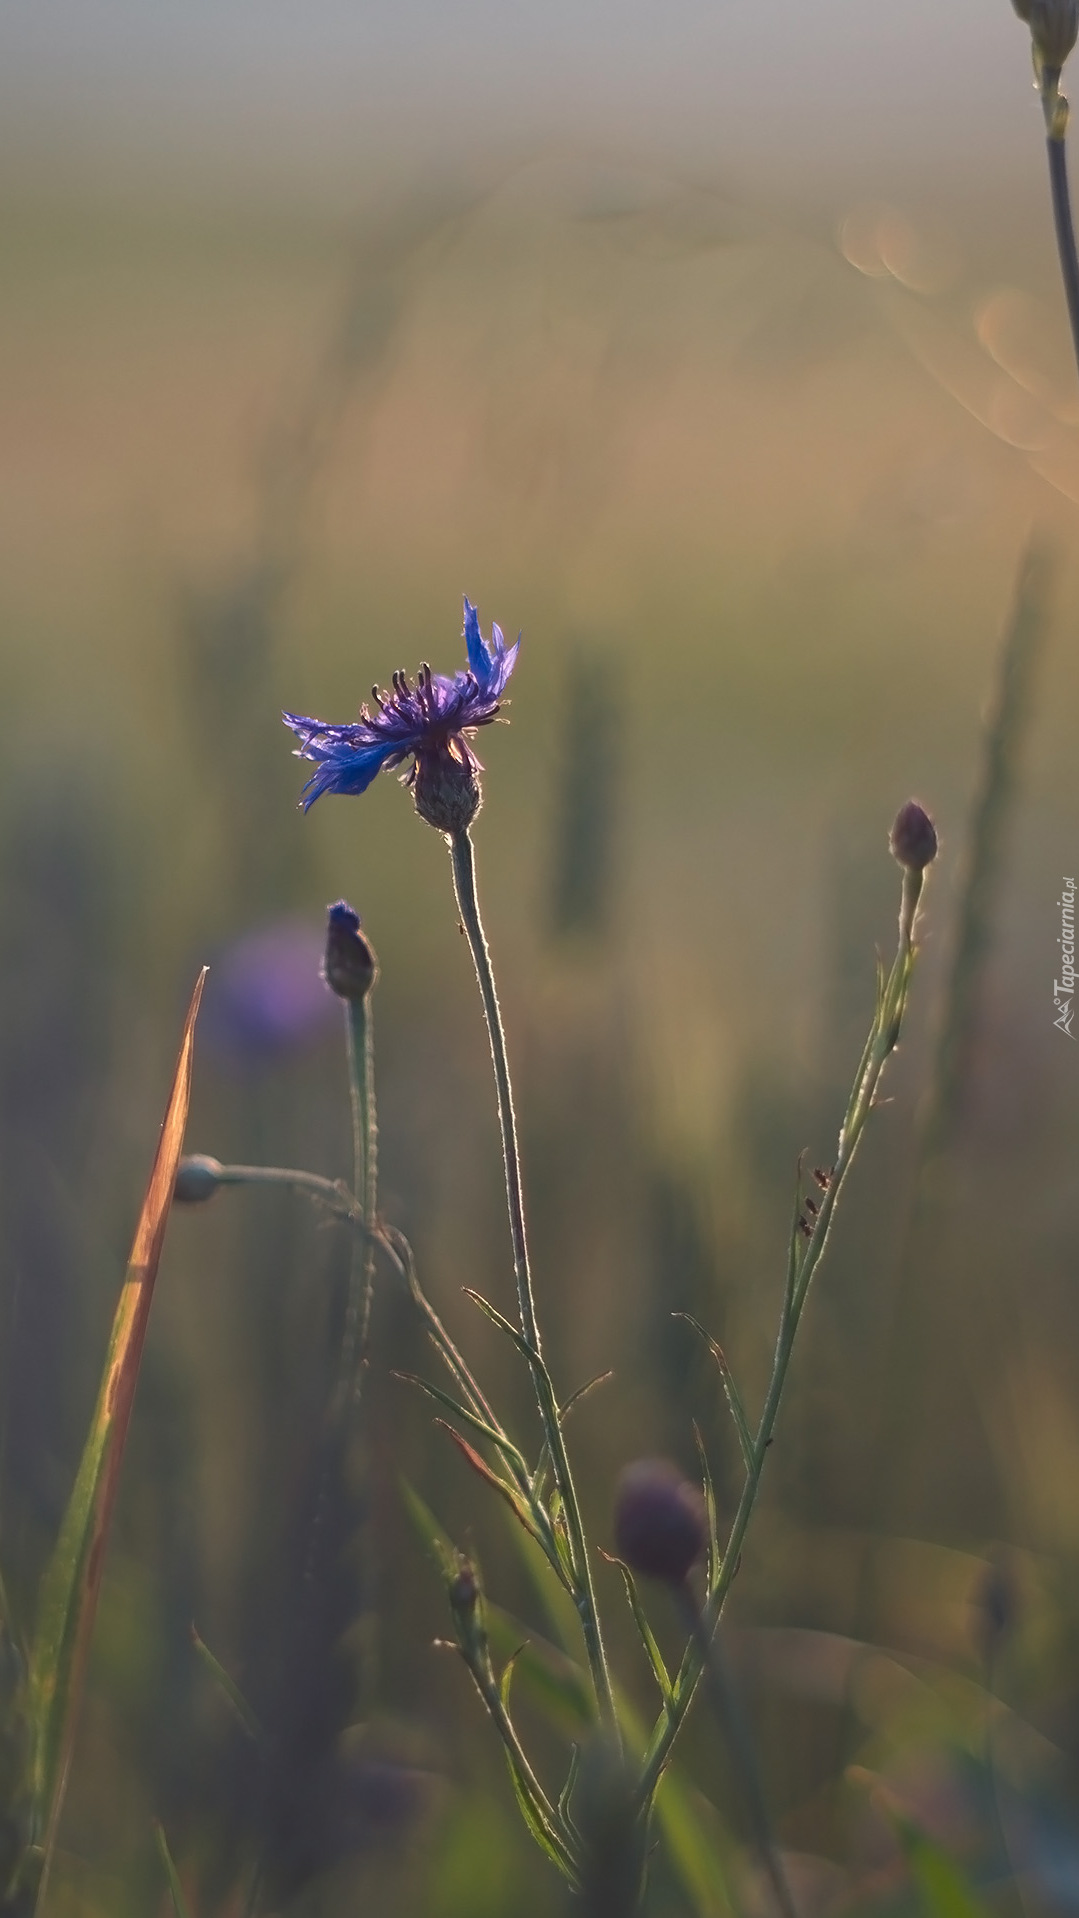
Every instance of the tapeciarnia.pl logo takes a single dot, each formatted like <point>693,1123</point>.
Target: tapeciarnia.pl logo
<point>1064,987</point>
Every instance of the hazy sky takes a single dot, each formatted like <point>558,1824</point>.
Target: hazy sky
<point>795,90</point>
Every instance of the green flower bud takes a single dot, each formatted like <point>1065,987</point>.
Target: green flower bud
<point>446,789</point>
<point>466,1604</point>
<point>197,1179</point>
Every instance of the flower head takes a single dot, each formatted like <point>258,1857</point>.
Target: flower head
<point>1054,28</point>
<point>660,1520</point>
<point>429,723</point>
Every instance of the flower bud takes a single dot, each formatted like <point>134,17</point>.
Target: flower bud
<point>197,1179</point>
<point>914,837</point>
<point>1054,29</point>
<point>660,1520</point>
<point>465,1594</point>
<point>349,967</point>
<point>446,790</point>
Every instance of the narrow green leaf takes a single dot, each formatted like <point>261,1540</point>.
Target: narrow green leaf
<point>556,1601</point>
<point>794,1244</point>
<point>565,1796</point>
<point>227,1685</point>
<point>492,1434</point>
<point>179,1903</point>
<point>731,1392</point>
<point>560,1534</point>
<point>692,1830</point>
<point>601,1378</point>
<point>72,1581</point>
<point>715,1561</point>
<point>534,1813</point>
<point>543,1464</point>
<point>437,1541</point>
<point>556,1683</point>
<point>490,1477</point>
<point>652,1651</point>
<point>496,1317</point>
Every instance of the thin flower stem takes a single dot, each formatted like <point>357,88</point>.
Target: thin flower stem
<point>883,1038</point>
<point>361,1079</point>
<point>330,1192</point>
<point>1055,108</point>
<point>464,881</point>
<point>491,1695</point>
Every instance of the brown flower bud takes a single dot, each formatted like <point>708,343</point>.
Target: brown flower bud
<point>914,837</point>
<point>660,1520</point>
<point>349,967</point>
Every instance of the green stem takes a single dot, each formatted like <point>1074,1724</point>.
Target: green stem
<point>464,881</point>
<point>361,1079</point>
<point>330,1192</point>
<point>884,1036</point>
<point>491,1695</point>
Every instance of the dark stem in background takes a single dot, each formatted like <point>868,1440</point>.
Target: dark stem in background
<point>464,882</point>
<point>735,1730</point>
<point>1055,108</point>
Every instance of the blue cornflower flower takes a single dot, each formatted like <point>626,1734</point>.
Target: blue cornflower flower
<point>429,723</point>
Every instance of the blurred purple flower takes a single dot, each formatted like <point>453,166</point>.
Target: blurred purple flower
<point>266,994</point>
<point>425,722</point>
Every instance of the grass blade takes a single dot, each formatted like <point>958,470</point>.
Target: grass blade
<point>483,1470</point>
<point>179,1902</point>
<point>733,1396</point>
<point>72,1581</point>
<point>497,1318</point>
<point>230,1691</point>
<point>715,1562</point>
<point>647,1636</point>
<point>493,1435</point>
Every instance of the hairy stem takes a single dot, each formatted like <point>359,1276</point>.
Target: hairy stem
<point>361,1079</point>
<point>883,1037</point>
<point>464,881</point>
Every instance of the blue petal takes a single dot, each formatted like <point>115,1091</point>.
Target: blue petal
<point>479,658</point>
<point>340,766</point>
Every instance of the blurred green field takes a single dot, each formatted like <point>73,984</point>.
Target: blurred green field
<point>756,496</point>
